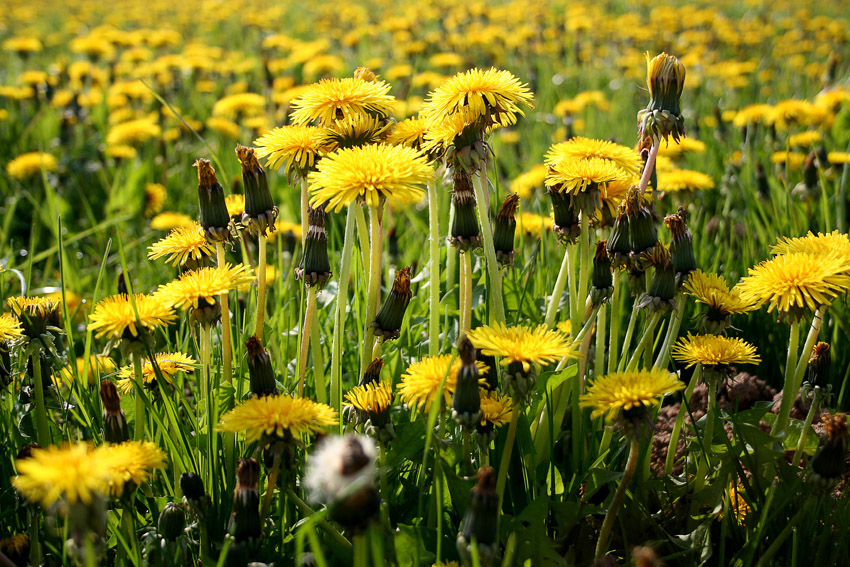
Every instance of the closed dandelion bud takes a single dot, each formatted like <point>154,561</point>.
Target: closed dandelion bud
<point>505,229</point>
<point>315,268</point>
<point>5,365</point>
<point>466,234</point>
<point>372,373</point>
<point>466,402</point>
<point>260,369</point>
<point>172,521</point>
<point>481,521</point>
<point>681,245</point>
<point>602,280</point>
<point>260,211</point>
<point>207,313</point>
<point>122,284</point>
<point>819,366</point>
<point>194,495</point>
<point>114,423</point>
<point>828,464</point>
<point>762,186</point>
<point>809,187</point>
<point>16,548</point>
<point>642,230</point>
<point>823,157</point>
<point>662,288</point>
<point>618,245</point>
<point>662,117</point>
<point>215,221</point>
<point>245,524</point>
<point>567,225</point>
<point>341,475</point>
<point>388,321</point>
<point>34,314</point>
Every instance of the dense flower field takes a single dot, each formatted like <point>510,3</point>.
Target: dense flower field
<point>449,283</point>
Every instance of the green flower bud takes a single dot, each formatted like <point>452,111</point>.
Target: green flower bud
<point>260,370</point>
<point>114,423</point>
<point>466,402</point>
<point>315,267</point>
<point>388,321</point>
<point>214,218</point>
<point>482,520</point>
<point>245,524</point>
<point>505,229</point>
<point>260,211</point>
<point>172,521</point>
<point>466,234</point>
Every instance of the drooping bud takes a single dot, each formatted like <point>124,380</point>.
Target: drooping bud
<point>466,402</point>
<point>466,234</point>
<point>388,321</point>
<point>602,280</point>
<point>172,521</point>
<point>260,370</point>
<point>373,372</point>
<point>829,461</point>
<point>662,117</point>
<point>260,210</point>
<point>618,245</point>
<point>505,229</point>
<point>567,225</point>
<point>245,524</point>
<point>481,521</point>
<point>315,267</point>
<point>194,495</point>
<point>819,366</point>
<point>215,221</point>
<point>114,423</point>
<point>662,289</point>
<point>681,245</point>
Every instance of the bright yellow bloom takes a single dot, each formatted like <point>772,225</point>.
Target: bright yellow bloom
<point>753,114</point>
<point>121,151</point>
<point>169,220</point>
<point>181,245</point>
<point>115,316</point>
<point>522,345</point>
<point>797,281</point>
<point>241,103</point>
<point>27,165</point>
<point>294,148</point>
<point>98,364</point>
<point>10,328</point>
<point>440,136</point>
<point>235,203</point>
<point>352,131</point>
<point>525,183</point>
<point>684,180</point>
<point>278,416</point>
<point>22,44</point>
<point>805,139</point>
<point>410,133</point>
<point>155,195</point>
<point>833,243</point>
<point>71,472</point>
<point>711,350</point>
<point>422,379</point>
<point>370,173</point>
<point>34,313</point>
<point>227,128</point>
<point>535,225</point>
<point>576,175</point>
<point>132,132</point>
<point>737,503</point>
<point>129,463</point>
<point>676,149</point>
<point>492,95</point>
<point>203,283</point>
<point>794,160</point>
<point>713,291</point>
<point>169,364</point>
<point>335,99</point>
<point>496,409</point>
<point>609,394</point>
<point>374,397</point>
<point>624,157</point>
<point>838,158</point>
<point>790,113</point>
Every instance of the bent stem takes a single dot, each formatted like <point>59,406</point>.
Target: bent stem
<point>680,420</point>
<point>376,235</point>
<point>788,386</point>
<point>614,508</point>
<point>340,309</point>
<point>42,428</point>
<point>647,169</point>
<point>672,332</point>
<point>810,417</point>
<point>648,334</point>
<point>481,188</point>
<point>306,330</point>
<point>261,287</point>
<point>139,428</point>
<point>226,352</point>
<point>434,269</point>
<point>558,290</point>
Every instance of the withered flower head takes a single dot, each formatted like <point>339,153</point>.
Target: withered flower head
<point>388,321</point>
<point>466,402</point>
<point>260,369</point>
<point>114,423</point>
<point>260,210</point>
<point>215,221</point>
<point>315,267</point>
<point>681,245</point>
<point>505,229</point>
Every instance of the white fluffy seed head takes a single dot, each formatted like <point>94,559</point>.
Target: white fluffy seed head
<point>339,467</point>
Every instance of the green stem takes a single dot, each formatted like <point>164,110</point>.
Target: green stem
<point>139,427</point>
<point>672,332</point>
<point>434,269</point>
<point>376,234</point>
<point>601,331</point>
<point>648,335</point>
<point>42,428</point>
<point>304,203</point>
<point>575,308</point>
<point>506,453</point>
<point>614,508</point>
<point>318,358</point>
<point>614,339</point>
<point>808,346</point>
<point>35,545</point>
<point>586,255</point>
<point>680,420</point>
<point>226,351</point>
<point>481,187</point>
<point>788,393</point>
<point>267,499</point>
<point>701,478</point>
<point>630,331</point>
<point>385,490</point>
<point>340,311</point>
<point>361,551</point>
<point>261,287</point>
<point>128,525</point>
<point>814,408</point>
<point>558,290</point>
<point>766,557</point>
<point>340,539</point>
<point>309,317</point>
<point>466,292</point>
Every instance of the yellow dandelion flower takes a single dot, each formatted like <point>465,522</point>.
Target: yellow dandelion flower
<point>28,165</point>
<point>676,149</point>
<point>155,195</point>
<point>370,173</point>
<point>375,397</point>
<point>624,157</point>
<point>496,409</point>
<point>422,379</point>
<point>838,158</point>
<point>115,317</point>
<point>241,103</point>
<point>227,128</point>
<point>684,180</point>
<point>577,175</point>
<point>129,463</point>
<point>98,364</point>
<point>440,136</point>
<point>794,160</point>
<point>170,220</point>
<point>797,281</point>
<point>352,131</point>
<point>132,132</point>
<point>522,345</point>
<point>169,364</point>
<point>491,95</point>
<point>565,327</point>
<point>610,394</point>
<point>833,243</point>
<point>10,328</point>
<point>790,113</point>
<point>204,283</point>
<point>182,244</point>
<point>753,114</point>
<point>525,183</point>
<point>235,203</point>
<point>737,503</point>
<point>22,44</point>
<point>278,416</point>
<point>69,472</point>
<point>410,133</point>
<point>445,60</point>
<point>713,291</point>
<point>664,164</point>
<point>294,148</point>
<point>335,99</point>
<point>713,350</point>
<point>805,139</point>
<point>121,151</point>
<point>535,225</point>
<point>34,313</point>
